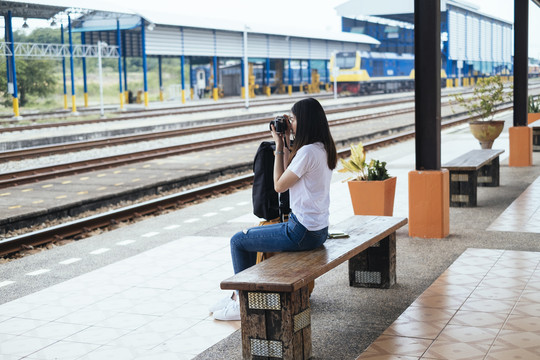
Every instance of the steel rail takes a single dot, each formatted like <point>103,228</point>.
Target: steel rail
<point>139,113</point>
<point>50,172</point>
<point>20,154</point>
<point>79,227</point>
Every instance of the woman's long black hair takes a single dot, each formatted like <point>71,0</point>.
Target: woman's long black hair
<point>311,127</point>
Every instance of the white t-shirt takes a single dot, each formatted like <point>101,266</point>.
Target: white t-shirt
<point>310,195</point>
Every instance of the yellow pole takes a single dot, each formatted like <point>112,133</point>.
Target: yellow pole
<point>126,96</point>
<point>215,93</point>
<point>243,92</point>
<point>65,101</point>
<point>85,99</point>
<point>160,95</point>
<point>290,89</point>
<point>191,93</point>
<point>183,96</point>
<point>16,107</point>
<point>268,91</point>
<point>146,99</point>
<point>121,101</point>
<point>73,105</point>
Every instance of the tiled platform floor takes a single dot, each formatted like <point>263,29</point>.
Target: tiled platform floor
<point>150,306</point>
<point>486,305</point>
<point>523,215</point>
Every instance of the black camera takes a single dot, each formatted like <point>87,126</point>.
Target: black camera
<point>281,123</point>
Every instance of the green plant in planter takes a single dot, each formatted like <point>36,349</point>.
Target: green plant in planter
<point>487,94</point>
<point>363,171</point>
<point>533,105</point>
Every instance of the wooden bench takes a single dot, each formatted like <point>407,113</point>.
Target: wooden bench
<point>274,296</point>
<point>472,169</point>
<point>536,135</point>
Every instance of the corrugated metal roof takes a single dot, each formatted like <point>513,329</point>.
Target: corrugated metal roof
<point>171,18</point>
<point>356,8</point>
<point>108,22</point>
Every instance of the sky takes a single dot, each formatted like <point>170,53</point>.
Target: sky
<point>307,14</point>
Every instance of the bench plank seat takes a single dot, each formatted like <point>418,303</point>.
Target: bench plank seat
<point>470,170</point>
<point>293,270</point>
<point>274,294</point>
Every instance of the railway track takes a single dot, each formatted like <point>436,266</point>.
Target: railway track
<point>138,113</point>
<point>78,228</point>
<point>49,172</point>
<point>26,153</point>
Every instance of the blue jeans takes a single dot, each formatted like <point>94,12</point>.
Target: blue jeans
<point>287,236</point>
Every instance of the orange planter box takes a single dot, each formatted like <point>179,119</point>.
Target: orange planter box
<point>373,197</point>
<point>532,117</point>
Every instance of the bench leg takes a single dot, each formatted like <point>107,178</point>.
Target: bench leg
<point>375,266</point>
<point>488,175</point>
<point>463,188</point>
<point>276,325</point>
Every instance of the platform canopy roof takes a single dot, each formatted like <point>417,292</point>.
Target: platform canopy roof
<point>400,9</point>
<point>102,16</point>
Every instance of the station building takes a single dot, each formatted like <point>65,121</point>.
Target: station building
<point>472,43</point>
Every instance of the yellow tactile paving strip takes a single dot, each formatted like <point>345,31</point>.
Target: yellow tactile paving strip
<point>523,215</point>
<point>486,305</point>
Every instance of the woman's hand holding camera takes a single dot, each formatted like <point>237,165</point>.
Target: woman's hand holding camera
<point>281,132</point>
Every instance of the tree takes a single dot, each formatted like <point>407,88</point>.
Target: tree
<point>34,78</point>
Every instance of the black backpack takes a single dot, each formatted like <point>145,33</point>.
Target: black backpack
<point>267,204</point>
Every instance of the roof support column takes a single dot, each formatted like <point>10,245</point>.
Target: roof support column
<point>143,48</point>
<point>290,76</point>
<point>215,89</point>
<point>520,133</point>
<point>268,77</point>
<point>85,85</point>
<point>429,201</point>
<point>119,43</point>
<point>160,75</point>
<point>182,78</point>
<point>73,104</point>
<point>182,69</point>
<point>63,67</point>
<point>124,53</point>
<point>14,92</point>
<point>192,80</point>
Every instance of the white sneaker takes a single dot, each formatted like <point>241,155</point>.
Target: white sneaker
<point>221,304</point>
<point>231,312</point>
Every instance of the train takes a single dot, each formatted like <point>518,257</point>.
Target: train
<point>362,72</point>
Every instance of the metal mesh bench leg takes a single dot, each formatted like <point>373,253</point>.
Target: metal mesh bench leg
<point>375,267</point>
<point>276,325</point>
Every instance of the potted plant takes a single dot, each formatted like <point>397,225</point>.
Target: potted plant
<point>372,189</point>
<point>533,107</point>
<point>488,93</point>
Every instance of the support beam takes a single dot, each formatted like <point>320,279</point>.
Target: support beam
<point>145,78</point>
<point>119,43</point>
<point>85,83</point>
<point>215,89</point>
<point>182,78</point>
<point>15,93</point>
<point>124,52</point>
<point>160,78</point>
<point>428,185</point>
<point>520,133</point>
<point>63,67</point>
<point>72,67</point>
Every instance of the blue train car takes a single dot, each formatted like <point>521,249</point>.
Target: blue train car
<point>370,72</point>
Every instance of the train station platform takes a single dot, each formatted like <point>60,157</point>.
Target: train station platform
<point>142,291</point>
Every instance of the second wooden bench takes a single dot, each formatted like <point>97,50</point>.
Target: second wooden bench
<point>472,169</point>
